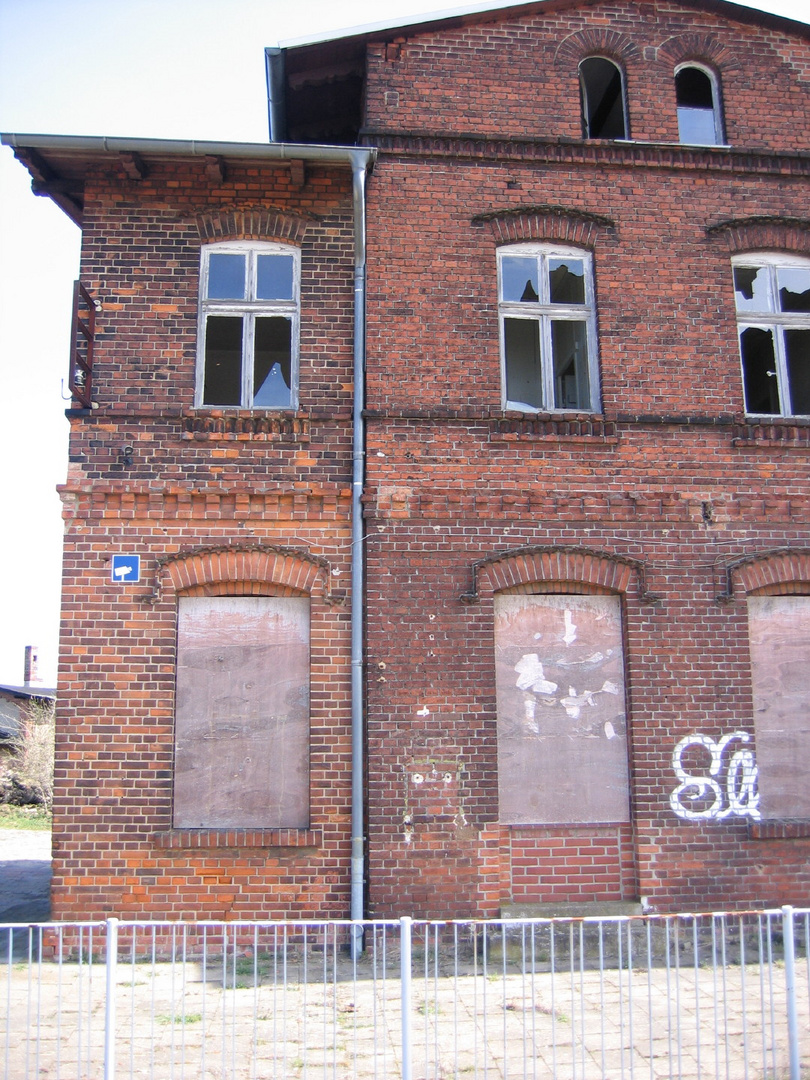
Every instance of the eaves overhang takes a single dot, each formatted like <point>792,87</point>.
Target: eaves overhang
<point>59,164</point>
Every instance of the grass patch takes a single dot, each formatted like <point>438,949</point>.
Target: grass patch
<point>25,817</point>
<point>189,1018</point>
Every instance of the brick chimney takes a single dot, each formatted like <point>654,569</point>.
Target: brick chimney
<point>30,669</point>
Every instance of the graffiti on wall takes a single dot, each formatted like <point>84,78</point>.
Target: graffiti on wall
<point>723,786</point>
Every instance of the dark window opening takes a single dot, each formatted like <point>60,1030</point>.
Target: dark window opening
<point>603,114</point>
<point>698,119</point>
<point>223,360</point>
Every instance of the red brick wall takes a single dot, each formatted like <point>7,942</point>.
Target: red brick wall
<point>669,483</point>
<point>199,481</point>
<point>668,477</point>
<point>517,77</point>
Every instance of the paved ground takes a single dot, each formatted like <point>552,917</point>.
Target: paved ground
<point>25,875</point>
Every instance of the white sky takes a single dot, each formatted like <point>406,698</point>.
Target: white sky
<point>184,69</point>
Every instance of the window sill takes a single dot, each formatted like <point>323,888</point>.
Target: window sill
<point>554,429</point>
<point>778,432</point>
<point>183,839</point>
<point>786,829</point>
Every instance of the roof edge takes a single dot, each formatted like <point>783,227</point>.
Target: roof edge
<point>468,13</point>
<point>92,145</point>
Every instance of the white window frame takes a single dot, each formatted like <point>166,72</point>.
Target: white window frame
<point>772,320</point>
<point>545,313</point>
<point>248,309</point>
<point>719,134</point>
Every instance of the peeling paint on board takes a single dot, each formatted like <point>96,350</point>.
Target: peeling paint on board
<point>562,741</point>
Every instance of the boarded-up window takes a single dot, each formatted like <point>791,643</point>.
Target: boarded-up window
<point>242,713</point>
<point>780,667</point>
<point>562,740</point>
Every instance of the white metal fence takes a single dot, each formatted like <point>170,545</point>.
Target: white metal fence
<point>693,997</point>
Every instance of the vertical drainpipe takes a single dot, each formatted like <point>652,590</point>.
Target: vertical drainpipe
<point>361,159</point>
<point>360,162</point>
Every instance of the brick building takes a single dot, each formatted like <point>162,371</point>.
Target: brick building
<point>577,671</point>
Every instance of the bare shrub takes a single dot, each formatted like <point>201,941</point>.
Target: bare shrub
<point>27,772</point>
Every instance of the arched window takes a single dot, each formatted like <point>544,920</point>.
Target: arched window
<point>602,96</point>
<point>248,332</point>
<point>697,97</point>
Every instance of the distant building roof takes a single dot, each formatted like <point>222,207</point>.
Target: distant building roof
<point>28,690</point>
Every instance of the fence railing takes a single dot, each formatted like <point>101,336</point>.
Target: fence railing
<point>691,996</point>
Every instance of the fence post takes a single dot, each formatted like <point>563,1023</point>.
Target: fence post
<point>790,990</point>
<point>405,990</point>
<point>109,1004</point>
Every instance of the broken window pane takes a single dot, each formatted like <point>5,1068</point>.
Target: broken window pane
<point>570,351</point>
<point>242,713</point>
<point>602,99</point>
<point>566,281</point>
<point>519,279</point>
<point>562,729</point>
<point>524,377</point>
<point>272,382</point>
<point>779,628</point>
<point>226,277</point>
<point>274,277</point>
<point>797,350</point>
<point>751,288</point>
<point>759,370</point>
<point>223,360</point>
<point>697,121</point>
<point>793,284</point>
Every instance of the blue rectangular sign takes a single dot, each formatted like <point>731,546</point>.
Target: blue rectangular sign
<point>126,568</point>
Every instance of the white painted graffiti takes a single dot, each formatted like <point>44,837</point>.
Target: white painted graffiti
<point>736,797</point>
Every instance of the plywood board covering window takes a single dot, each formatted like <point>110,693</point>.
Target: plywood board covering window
<point>780,660</point>
<point>242,713</point>
<point>562,738</point>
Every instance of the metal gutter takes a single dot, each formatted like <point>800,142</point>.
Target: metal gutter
<point>358,556</point>
<point>102,144</point>
<point>276,97</point>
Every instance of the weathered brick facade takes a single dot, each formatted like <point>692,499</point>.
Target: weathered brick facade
<point>668,501</point>
<point>480,145</point>
<point>215,502</point>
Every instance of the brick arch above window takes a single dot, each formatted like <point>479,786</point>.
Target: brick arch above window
<point>764,234</point>
<point>777,572</point>
<point>252,223</point>
<point>595,571</point>
<point>262,570</point>
<point>597,42</point>
<point>547,223</point>
<point>700,48</point>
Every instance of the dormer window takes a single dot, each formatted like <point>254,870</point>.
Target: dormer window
<point>697,97</point>
<point>602,98</point>
<point>248,336</point>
